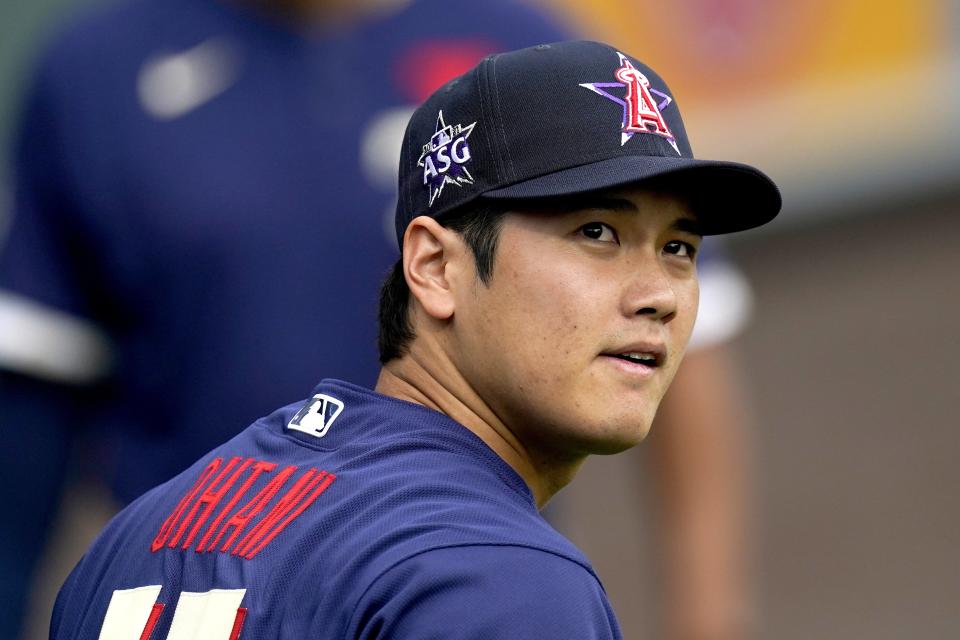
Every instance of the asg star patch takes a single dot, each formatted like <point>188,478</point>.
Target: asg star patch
<point>641,112</point>
<point>445,156</point>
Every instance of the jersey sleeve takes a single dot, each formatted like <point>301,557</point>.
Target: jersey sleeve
<point>48,285</point>
<point>474,592</point>
<point>36,260</point>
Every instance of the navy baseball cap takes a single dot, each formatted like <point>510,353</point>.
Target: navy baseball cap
<point>562,119</point>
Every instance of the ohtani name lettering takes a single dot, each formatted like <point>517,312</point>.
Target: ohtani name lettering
<point>239,530</point>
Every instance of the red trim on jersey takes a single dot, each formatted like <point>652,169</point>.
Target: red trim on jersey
<point>151,621</point>
<point>238,623</point>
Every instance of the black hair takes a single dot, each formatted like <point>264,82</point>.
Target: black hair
<point>479,224</point>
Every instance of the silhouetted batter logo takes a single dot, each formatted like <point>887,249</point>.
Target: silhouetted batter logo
<point>317,415</point>
<point>445,156</point>
<point>641,112</point>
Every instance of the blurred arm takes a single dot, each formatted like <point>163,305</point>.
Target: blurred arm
<point>699,457</point>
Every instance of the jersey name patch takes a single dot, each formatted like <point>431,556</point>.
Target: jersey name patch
<point>240,529</point>
<point>317,415</point>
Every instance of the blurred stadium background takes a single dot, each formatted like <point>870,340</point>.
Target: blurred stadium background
<point>853,107</point>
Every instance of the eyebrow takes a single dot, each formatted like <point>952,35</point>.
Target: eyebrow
<point>688,225</point>
<point>593,201</point>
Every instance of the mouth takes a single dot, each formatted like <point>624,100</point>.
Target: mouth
<point>648,356</point>
<point>647,359</point>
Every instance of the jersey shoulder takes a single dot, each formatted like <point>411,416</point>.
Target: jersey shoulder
<point>486,591</point>
<point>389,489</point>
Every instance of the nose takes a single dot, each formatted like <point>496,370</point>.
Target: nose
<point>649,291</point>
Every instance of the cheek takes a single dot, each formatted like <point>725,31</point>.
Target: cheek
<point>545,322</point>
<point>688,300</point>
<point>556,313</point>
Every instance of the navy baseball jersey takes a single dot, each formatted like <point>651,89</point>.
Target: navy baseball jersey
<point>352,515</point>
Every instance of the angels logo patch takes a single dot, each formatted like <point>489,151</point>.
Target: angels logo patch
<point>444,158</point>
<point>641,111</point>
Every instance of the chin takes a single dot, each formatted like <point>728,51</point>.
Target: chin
<point>620,436</point>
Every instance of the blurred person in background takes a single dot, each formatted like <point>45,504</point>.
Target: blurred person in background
<point>179,166</point>
<point>699,451</point>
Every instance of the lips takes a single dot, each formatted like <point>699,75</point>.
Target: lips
<point>651,355</point>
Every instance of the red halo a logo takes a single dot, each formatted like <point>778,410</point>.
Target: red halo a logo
<point>641,111</point>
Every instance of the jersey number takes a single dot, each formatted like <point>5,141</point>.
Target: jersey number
<point>212,615</point>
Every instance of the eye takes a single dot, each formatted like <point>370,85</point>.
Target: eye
<point>680,248</point>
<point>599,231</point>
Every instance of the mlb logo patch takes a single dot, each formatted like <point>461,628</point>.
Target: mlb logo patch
<point>316,416</point>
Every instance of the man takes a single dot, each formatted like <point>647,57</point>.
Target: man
<point>549,215</point>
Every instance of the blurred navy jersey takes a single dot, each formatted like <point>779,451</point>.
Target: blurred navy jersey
<point>200,203</point>
<point>352,515</point>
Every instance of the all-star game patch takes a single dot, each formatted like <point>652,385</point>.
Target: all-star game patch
<point>444,158</point>
<point>641,112</point>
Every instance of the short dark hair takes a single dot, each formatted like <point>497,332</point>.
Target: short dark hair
<point>479,223</point>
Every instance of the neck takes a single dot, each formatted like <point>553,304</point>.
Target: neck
<point>427,377</point>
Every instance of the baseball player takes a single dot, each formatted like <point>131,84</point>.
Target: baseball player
<point>550,212</point>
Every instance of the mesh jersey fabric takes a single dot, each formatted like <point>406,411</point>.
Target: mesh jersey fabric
<point>425,532</point>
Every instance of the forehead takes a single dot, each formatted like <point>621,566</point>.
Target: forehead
<point>643,200</point>
<point>647,205</point>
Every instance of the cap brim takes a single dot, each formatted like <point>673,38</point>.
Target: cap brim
<point>725,196</point>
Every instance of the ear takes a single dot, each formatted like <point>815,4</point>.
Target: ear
<point>431,254</point>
